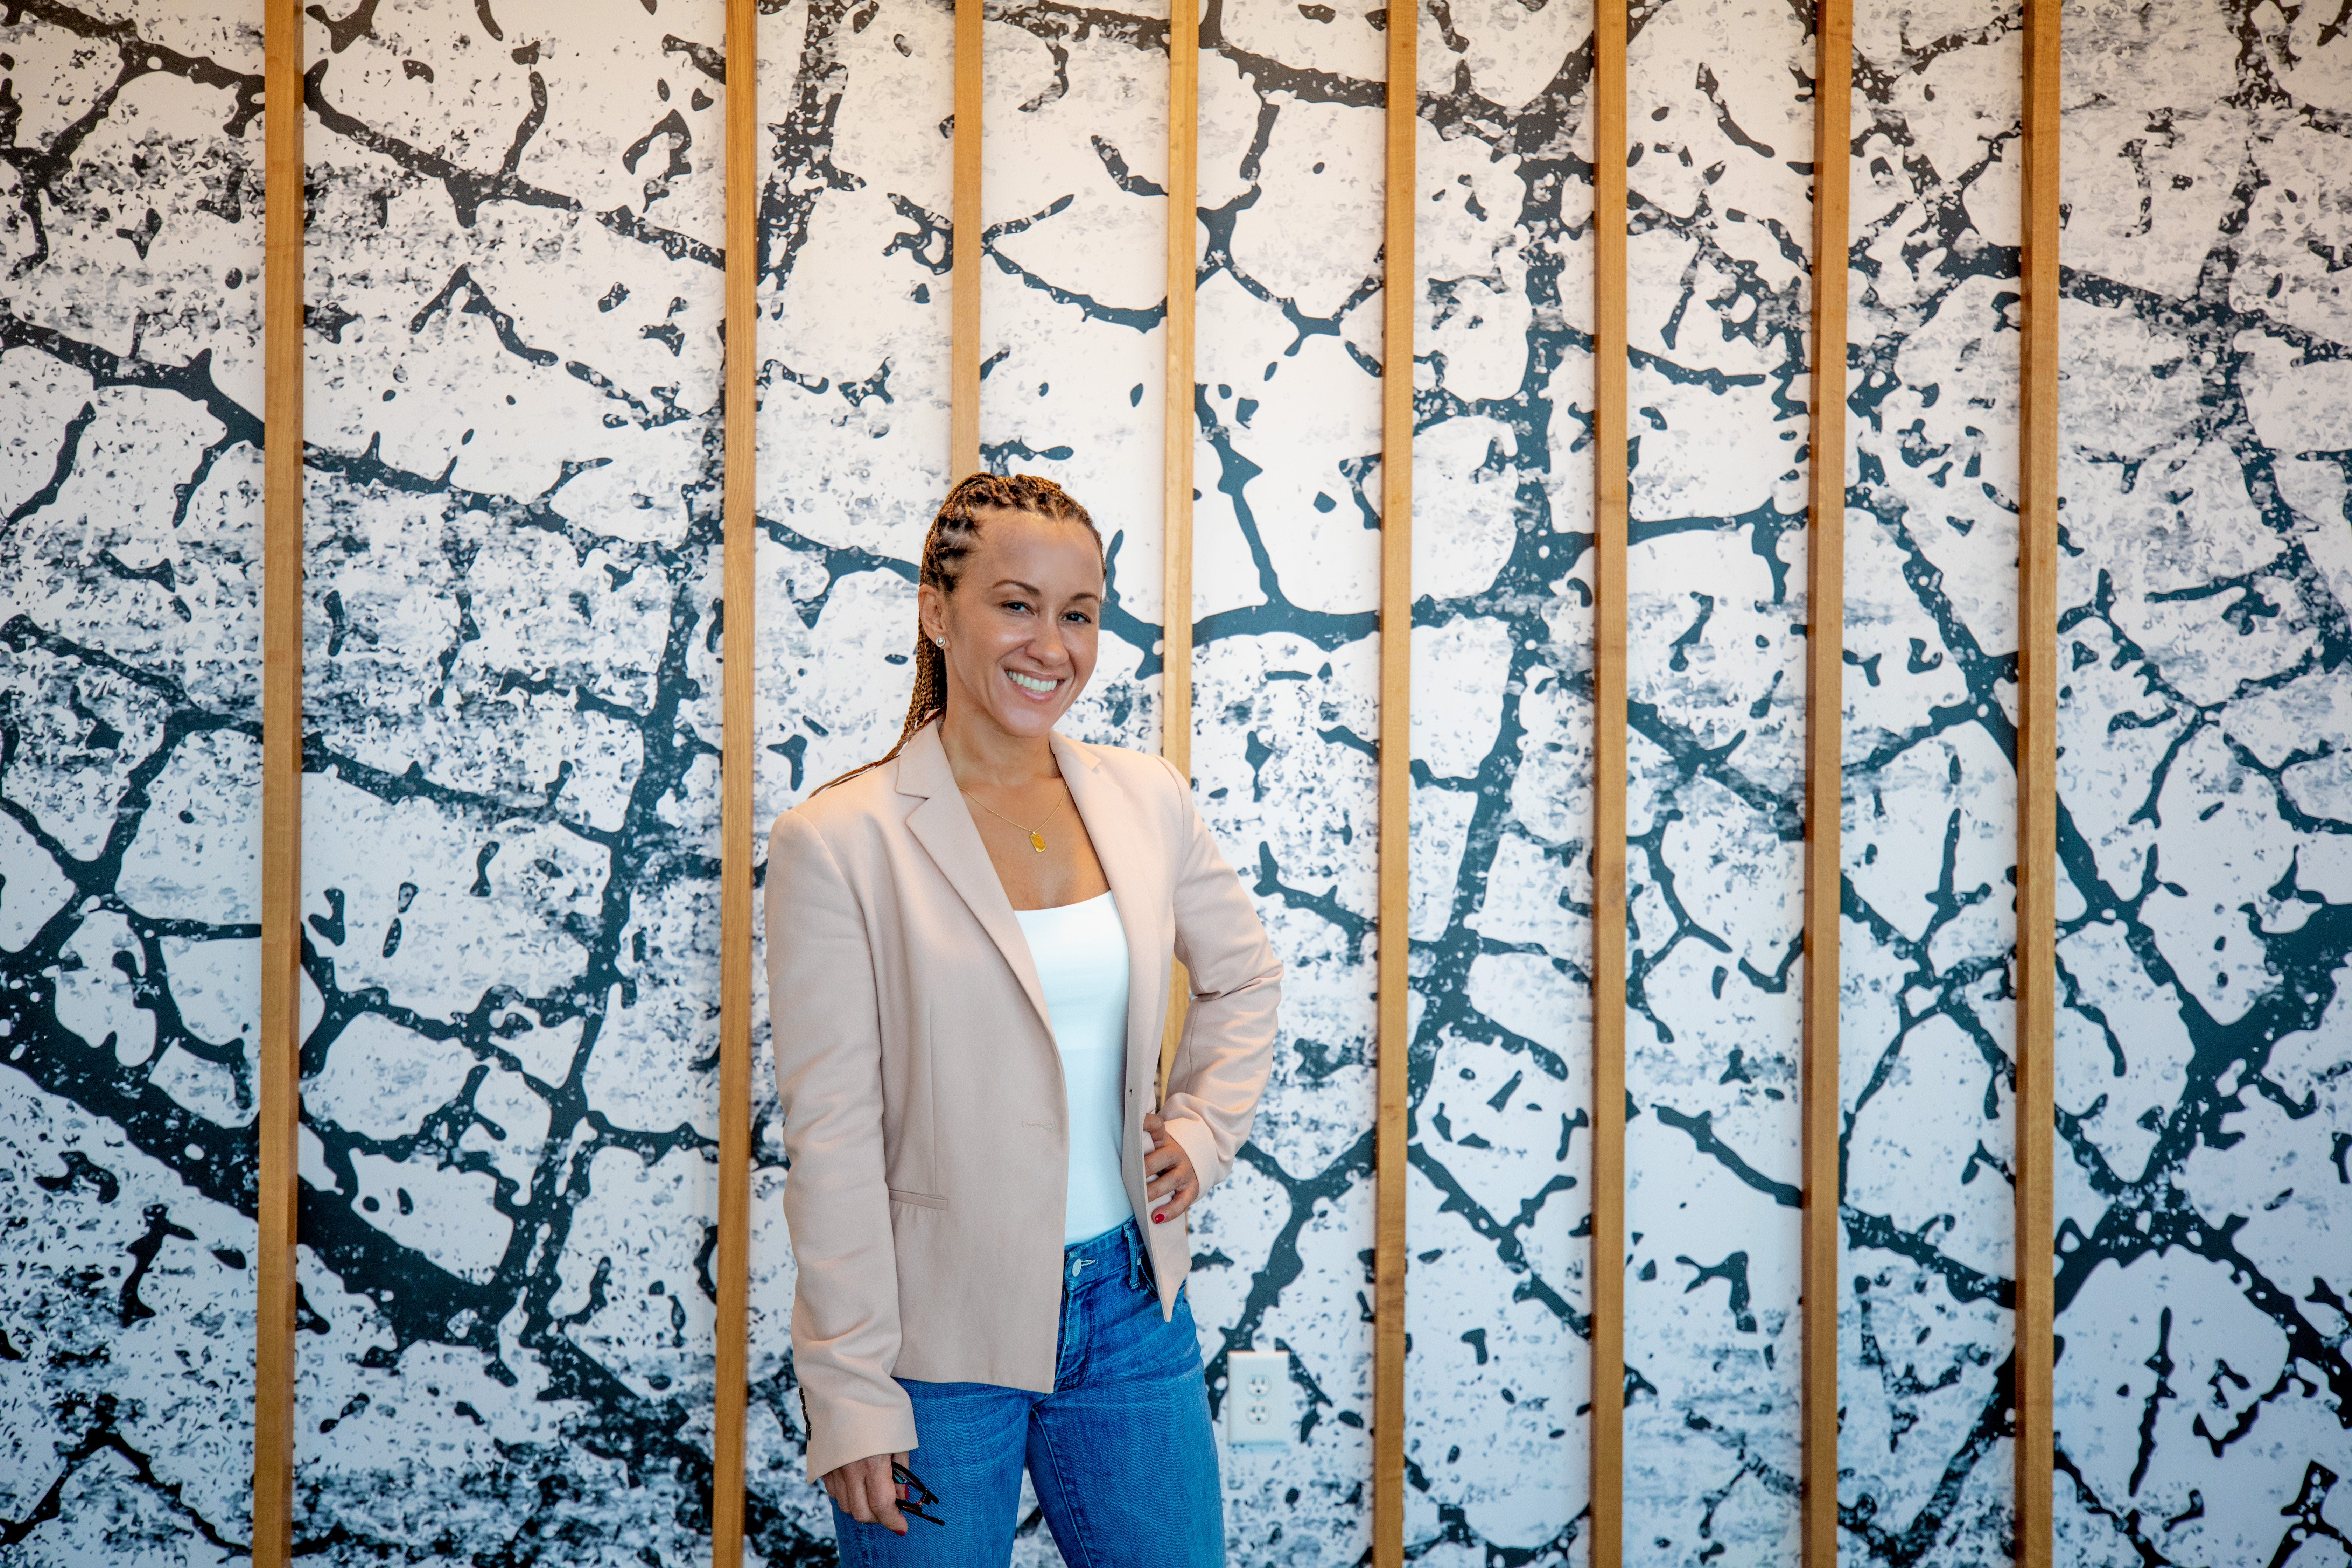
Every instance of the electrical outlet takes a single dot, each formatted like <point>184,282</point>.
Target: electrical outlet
<point>1257,1399</point>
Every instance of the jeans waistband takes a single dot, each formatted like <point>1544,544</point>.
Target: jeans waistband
<point>1116,1251</point>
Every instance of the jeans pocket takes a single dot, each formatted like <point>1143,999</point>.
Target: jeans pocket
<point>1139,1277</point>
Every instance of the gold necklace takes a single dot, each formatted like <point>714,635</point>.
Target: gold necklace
<point>1037,839</point>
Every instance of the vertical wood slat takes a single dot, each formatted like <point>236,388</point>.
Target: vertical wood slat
<point>1609,520</point>
<point>278,1082</point>
<point>1824,783</point>
<point>1395,808</point>
<point>732,1359</point>
<point>963,340</point>
<point>1176,460</point>
<point>2037,784</point>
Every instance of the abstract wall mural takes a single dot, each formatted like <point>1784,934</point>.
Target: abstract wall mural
<point>512,728</point>
<point>129,751</point>
<point>1499,1189</point>
<point>2204,1394</point>
<point>1286,697</point>
<point>1721,226</point>
<point>1927,1063</point>
<point>513,649</point>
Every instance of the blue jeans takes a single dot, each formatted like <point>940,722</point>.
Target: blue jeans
<point>1121,1451</point>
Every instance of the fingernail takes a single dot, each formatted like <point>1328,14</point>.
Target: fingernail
<point>1158,1218</point>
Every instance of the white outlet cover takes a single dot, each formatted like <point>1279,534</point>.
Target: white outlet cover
<point>1257,1399</point>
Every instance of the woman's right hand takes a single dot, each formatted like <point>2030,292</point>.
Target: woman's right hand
<point>863,1490</point>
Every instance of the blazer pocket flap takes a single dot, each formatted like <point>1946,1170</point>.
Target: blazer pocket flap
<point>920,1200</point>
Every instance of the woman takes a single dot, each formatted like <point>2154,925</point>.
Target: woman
<point>969,951</point>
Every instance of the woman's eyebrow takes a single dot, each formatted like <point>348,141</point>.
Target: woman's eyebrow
<point>1034,592</point>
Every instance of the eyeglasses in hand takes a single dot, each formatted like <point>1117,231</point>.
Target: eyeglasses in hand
<point>914,1484</point>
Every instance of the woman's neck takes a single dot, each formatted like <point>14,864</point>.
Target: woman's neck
<point>980,752</point>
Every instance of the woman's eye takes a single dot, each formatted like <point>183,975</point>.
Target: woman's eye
<point>1016,604</point>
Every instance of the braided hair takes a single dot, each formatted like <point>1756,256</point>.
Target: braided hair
<point>955,533</point>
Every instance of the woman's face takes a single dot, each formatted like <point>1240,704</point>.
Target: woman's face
<point>1020,624</point>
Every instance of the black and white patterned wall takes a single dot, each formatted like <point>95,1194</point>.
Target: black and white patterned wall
<point>1929,1079</point>
<point>129,752</point>
<point>2204,1403</point>
<point>513,287</point>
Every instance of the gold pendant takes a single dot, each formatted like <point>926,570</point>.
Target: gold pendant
<point>1036,841</point>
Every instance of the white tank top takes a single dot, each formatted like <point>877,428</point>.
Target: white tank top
<point>1080,952</point>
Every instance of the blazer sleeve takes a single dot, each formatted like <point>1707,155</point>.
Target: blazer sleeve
<point>1226,1049</point>
<point>829,1044</point>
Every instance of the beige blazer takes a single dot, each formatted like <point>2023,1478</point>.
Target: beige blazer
<point>922,1092</point>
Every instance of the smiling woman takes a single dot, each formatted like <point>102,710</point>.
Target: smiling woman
<point>986,1205</point>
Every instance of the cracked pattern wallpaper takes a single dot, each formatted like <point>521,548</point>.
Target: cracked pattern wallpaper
<point>2204,1389</point>
<point>130,750</point>
<point>1927,942</point>
<point>513,339</point>
<point>511,736</point>
<point>1720,223</point>
<point>1498,1187</point>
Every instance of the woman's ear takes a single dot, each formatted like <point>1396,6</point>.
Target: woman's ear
<point>931,613</point>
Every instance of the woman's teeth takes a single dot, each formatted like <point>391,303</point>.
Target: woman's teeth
<point>1031,683</point>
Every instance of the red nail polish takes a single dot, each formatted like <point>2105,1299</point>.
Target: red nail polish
<point>1158,1219</point>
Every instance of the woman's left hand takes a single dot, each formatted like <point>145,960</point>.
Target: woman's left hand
<point>1170,1185</point>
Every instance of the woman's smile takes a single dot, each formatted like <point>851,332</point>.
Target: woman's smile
<point>1036,685</point>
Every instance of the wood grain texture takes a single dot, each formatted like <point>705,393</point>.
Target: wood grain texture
<point>1824,782</point>
<point>732,1364</point>
<point>1609,520</point>
<point>278,1086</point>
<point>1395,808</point>
<point>963,343</point>
<point>2037,789</point>
<point>1176,462</point>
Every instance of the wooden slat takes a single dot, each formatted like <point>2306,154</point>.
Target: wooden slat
<point>741,539</point>
<point>2037,784</point>
<point>1176,459</point>
<point>277,1083</point>
<point>1824,728</point>
<point>1398,293</point>
<point>963,343</point>
<point>1176,463</point>
<point>1609,520</point>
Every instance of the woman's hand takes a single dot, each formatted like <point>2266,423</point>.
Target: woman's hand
<point>865,1491</point>
<point>1170,1185</point>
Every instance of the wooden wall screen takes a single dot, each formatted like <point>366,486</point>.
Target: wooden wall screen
<point>1825,732</point>
<point>1176,461</point>
<point>1609,526</point>
<point>731,1364</point>
<point>1395,811</point>
<point>2037,791</point>
<point>278,1085</point>
<point>964,237</point>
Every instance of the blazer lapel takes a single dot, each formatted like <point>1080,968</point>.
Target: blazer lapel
<point>1137,885</point>
<point>942,825</point>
